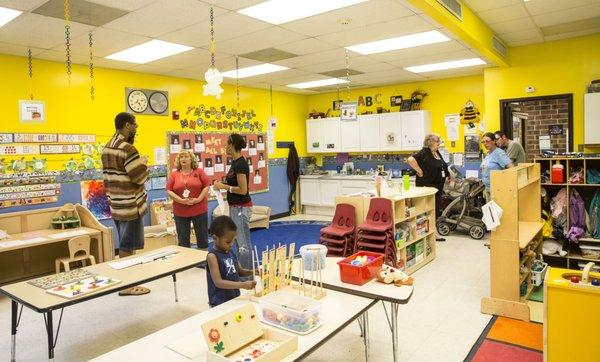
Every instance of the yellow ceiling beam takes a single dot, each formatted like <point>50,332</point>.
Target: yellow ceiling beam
<point>471,29</point>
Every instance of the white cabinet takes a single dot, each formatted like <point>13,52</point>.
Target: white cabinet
<point>329,189</point>
<point>591,118</point>
<point>331,135</point>
<point>350,134</point>
<point>314,135</point>
<point>369,132</point>
<point>348,187</point>
<point>415,125</point>
<point>309,192</point>
<point>390,131</point>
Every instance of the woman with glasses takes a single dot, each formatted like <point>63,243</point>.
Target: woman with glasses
<point>496,159</point>
<point>431,168</point>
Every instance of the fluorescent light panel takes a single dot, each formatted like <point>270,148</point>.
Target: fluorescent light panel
<point>445,65</point>
<point>318,83</point>
<point>283,11</point>
<point>7,15</point>
<point>401,42</point>
<point>254,70</point>
<point>149,51</point>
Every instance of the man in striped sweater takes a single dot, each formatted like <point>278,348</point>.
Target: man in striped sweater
<point>124,172</point>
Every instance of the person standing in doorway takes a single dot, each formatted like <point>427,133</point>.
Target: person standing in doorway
<point>124,173</point>
<point>188,187</point>
<point>238,197</point>
<point>496,159</point>
<point>513,149</point>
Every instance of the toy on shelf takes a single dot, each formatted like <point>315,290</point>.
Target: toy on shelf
<point>291,312</point>
<point>66,217</point>
<point>239,336</point>
<point>389,275</point>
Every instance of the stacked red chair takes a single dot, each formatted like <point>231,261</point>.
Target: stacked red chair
<point>376,233</point>
<point>339,235</point>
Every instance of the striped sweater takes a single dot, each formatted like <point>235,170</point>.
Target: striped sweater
<point>124,176</point>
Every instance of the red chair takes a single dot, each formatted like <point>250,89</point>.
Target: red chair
<point>343,222</point>
<point>380,216</point>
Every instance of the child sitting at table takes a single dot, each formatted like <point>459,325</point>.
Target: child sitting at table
<point>223,268</point>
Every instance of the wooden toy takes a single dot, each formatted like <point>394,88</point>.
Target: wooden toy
<point>315,264</point>
<point>239,336</point>
<point>83,286</point>
<point>61,279</point>
<point>66,217</point>
<point>389,275</point>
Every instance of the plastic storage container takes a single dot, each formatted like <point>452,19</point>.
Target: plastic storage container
<point>558,173</point>
<point>359,275</point>
<point>313,256</point>
<point>590,251</point>
<point>537,277</point>
<point>290,311</point>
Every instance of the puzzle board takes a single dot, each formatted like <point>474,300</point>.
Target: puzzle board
<point>54,280</point>
<point>83,287</point>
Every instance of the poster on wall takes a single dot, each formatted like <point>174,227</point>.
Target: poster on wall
<point>32,111</point>
<point>349,111</point>
<point>6,138</point>
<point>452,122</point>
<point>94,198</point>
<point>472,147</point>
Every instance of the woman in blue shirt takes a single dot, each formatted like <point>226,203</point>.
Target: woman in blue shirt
<point>496,159</point>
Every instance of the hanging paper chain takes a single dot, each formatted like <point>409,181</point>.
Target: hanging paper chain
<point>347,77</point>
<point>91,65</point>
<point>30,63</point>
<point>237,85</point>
<point>212,38</point>
<point>68,37</point>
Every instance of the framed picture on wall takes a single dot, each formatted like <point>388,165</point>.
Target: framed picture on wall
<point>405,106</point>
<point>32,111</point>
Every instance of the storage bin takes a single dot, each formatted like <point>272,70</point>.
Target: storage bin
<point>537,277</point>
<point>360,274</point>
<point>590,251</point>
<point>290,311</point>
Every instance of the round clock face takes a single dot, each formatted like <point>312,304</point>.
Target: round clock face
<point>137,100</point>
<point>159,102</point>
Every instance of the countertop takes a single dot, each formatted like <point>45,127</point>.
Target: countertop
<point>338,177</point>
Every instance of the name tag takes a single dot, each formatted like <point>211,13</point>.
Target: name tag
<point>443,173</point>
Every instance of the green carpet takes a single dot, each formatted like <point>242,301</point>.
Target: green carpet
<point>537,294</point>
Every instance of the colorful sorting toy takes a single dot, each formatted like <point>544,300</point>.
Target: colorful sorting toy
<point>362,260</point>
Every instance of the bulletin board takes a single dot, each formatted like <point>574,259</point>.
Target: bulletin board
<point>210,151</point>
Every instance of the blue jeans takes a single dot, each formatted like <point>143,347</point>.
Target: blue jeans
<point>241,218</point>
<point>130,234</point>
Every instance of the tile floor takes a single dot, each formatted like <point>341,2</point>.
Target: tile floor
<point>440,323</point>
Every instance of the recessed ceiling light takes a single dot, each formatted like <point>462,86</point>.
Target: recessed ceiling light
<point>149,51</point>
<point>445,65</point>
<point>283,11</point>
<point>6,15</point>
<point>318,83</point>
<point>401,42</point>
<point>254,70</point>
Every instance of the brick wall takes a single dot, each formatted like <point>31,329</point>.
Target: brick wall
<point>540,115</point>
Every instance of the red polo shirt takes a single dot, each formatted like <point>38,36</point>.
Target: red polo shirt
<point>195,182</point>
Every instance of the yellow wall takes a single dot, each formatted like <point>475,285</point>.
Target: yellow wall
<point>565,66</point>
<point>444,96</point>
<point>70,110</point>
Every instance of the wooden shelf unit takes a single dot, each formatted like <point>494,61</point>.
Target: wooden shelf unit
<point>573,257</point>
<point>423,201</point>
<point>516,242</point>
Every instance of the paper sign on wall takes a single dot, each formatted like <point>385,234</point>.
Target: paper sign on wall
<point>452,122</point>
<point>349,111</point>
<point>32,111</point>
<point>160,156</point>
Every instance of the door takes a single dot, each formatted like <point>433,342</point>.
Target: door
<point>309,191</point>
<point>415,125</point>
<point>314,135</point>
<point>369,132</point>
<point>390,131</point>
<point>329,190</point>
<point>350,136</point>
<point>331,135</point>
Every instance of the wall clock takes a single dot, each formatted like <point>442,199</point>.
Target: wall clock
<point>137,101</point>
<point>159,102</point>
<point>147,101</point>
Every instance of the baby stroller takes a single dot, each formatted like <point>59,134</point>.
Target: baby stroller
<point>462,201</point>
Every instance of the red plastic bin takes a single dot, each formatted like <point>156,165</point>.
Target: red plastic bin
<point>360,275</point>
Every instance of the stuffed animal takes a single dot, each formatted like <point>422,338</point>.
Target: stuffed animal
<point>469,114</point>
<point>213,83</point>
<point>389,275</point>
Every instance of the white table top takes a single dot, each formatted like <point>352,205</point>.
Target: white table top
<point>38,299</point>
<point>373,289</point>
<point>42,237</point>
<point>338,310</point>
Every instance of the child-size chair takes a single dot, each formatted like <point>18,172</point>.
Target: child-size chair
<point>343,222</point>
<point>79,250</point>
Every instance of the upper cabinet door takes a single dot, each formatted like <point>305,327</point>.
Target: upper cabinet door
<point>369,132</point>
<point>331,135</point>
<point>415,125</point>
<point>350,133</point>
<point>390,131</point>
<point>314,135</point>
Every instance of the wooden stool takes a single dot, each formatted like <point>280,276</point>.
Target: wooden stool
<point>79,250</point>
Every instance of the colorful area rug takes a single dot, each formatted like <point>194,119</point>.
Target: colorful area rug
<point>506,339</point>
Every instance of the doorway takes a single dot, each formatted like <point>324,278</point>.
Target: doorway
<point>526,119</point>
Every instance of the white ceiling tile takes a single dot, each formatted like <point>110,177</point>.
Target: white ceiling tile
<point>234,4</point>
<point>505,13</point>
<point>423,51</point>
<point>522,35</point>
<point>359,15</point>
<point>572,34</point>
<point>190,58</point>
<point>434,58</point>
<point>512,26</point>
<point>262,39</point>
<point>277,77</point>
<point>24,5</point>
<point>39,31</point>
<point>185,73</point>
<point>306,46</point>
<point>322,57</point>
<point>537,7</point>
<point>227,26</point>
<point>162,17</point>
<point>106,42</point>
<point>453,73</point>
<point>113,64</point>
<point>59,56</point>
<point>129,5</point>
<point>19,50</point>
<point>396,75</point>
<point>403,26</point>
<point>482,5</point>
<point>568,15</point>
<point>151,68</point>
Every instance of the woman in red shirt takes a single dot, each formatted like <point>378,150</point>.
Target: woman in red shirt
<point>188,187</point>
